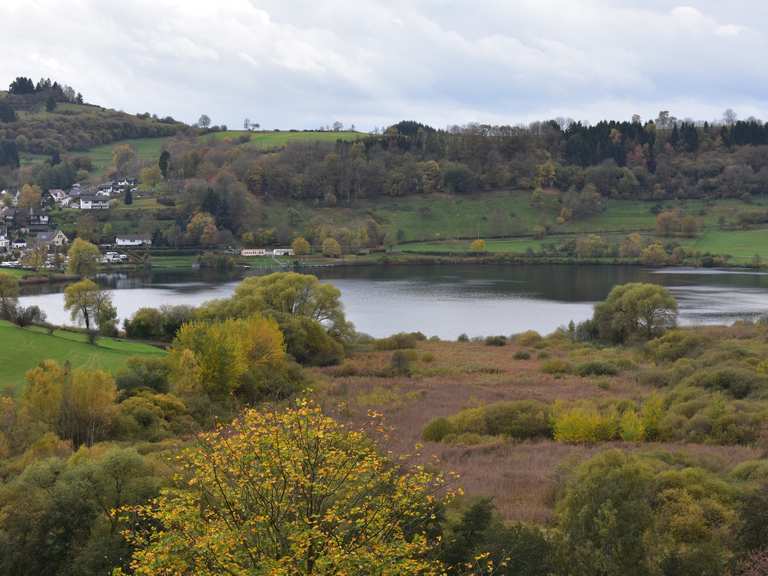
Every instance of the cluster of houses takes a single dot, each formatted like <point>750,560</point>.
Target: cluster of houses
<point>81,198</point>
<point>25,229</point>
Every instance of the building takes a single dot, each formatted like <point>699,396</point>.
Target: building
<point>93,203</point>
<point>56,238</point>
<point>133,240</point>
<point>253,252</point>
<point>58,196</point>
<point>5,242</point>
<point>282,252</point>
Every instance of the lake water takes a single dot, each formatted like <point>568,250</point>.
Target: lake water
<point>447,300</point>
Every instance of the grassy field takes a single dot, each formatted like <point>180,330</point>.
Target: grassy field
<point>147,149</point>
<point>276,139</point>
<point>22,349</point>
<point>741,245</point>
<point>447,377</point>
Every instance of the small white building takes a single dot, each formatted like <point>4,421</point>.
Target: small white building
<point>93,203</point>
<point>5,243</point>
<point>19,245</point>
<point>133,240</point>
<point>253,252</point>
<point>282,252</point>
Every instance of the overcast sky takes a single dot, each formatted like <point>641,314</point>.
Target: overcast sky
<point>306,63</point>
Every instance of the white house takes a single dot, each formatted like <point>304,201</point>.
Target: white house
<point>282,252</point>
<point>5,243</point>
<point>133,240</point>
<point>93,203</point>
<point>253,252</point>
<point>58,195</point>
<point>19,245</point>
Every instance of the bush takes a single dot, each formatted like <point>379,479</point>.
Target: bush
<point>631,427</point>
<point>436,430</point>
<point>520,420</point>
<point>400,341</point>
<point>308,342</point>
<point>737,381</point>
<point>142,372</point>
<point>462,338</point>
<point>528,338</point>
<point>522,355</point>
<point>675,344</point>
<point>556,366</point>
<point>596,368</point>
<point>400,363</point>
<point>496,341</point>
<point>427,357</point>
<point>584,424</point>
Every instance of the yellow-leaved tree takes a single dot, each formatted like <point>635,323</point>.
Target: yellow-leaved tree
<point>289,493</point>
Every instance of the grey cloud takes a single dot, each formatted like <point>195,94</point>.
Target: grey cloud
<point>300,63</point>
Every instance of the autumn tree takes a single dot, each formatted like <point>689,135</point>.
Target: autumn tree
<point>477,246</point>
<point>300,246</point>
<point>90,305</point>
<point>83,257</point>
<point>289,493</point>
<point>123,155</point>
<point>9,294</point>
<point>150,177</point>
<point>635,310</point>
<point>30,196</point>
<point>331,248</point>
<point>217,358</point>
<point>202,229</point>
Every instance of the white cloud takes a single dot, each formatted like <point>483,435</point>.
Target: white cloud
<point>302,63</point>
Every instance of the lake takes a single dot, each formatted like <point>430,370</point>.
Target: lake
<point>447,300</point>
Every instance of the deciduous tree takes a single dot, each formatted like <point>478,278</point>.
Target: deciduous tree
<point>290,493</point>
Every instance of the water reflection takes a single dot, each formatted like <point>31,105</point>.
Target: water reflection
<point>449,300</point>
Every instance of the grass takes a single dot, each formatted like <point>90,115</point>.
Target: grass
<point>147,149</point>
<point>22,349</point>
<point>741,245</point>
<point>520,476</point>
<point>173,262</point>
<point>277,139</point>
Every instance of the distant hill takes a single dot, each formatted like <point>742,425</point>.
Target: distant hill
<point>43,128</point>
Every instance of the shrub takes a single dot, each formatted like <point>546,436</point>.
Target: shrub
<point>596,368</point>
<point>309,343</point>
<point>462,338</point>
<point>142,372</point>
<point>522,355</point>
<point>496,341</point>
<point>400,363</point>
<point>631,427</point>
<point>543,355</point>
<point>556,366</point>
<point>400,341</point>
<point>737,381</point>
<point>674,344</point>
<point>427,357</point>
<point>584,424</point>
<point>521,420</point>
<point>437,429</point>
<point>528,338</point>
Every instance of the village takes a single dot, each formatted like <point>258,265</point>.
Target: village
<point>29,236</point>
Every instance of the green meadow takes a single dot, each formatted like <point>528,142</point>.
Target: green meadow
<point>23,348</point>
